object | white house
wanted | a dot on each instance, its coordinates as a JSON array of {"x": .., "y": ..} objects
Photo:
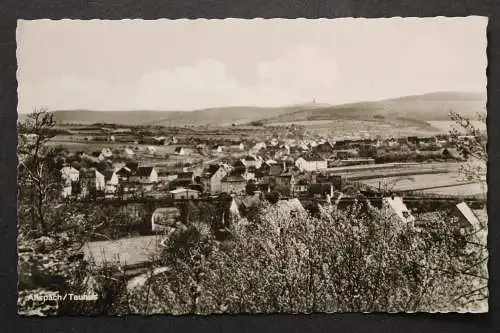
[
  {"x": 106, "y": 152},
  {"x": 466, "y": 217},
  {"x": 112, "y": 181},
  {"x": 311, "y": 163},
  {"x": 184, "y": 193},
  {"x": 68, "y": 173},
  {"x": 395, "y": 207},
  {"x": 91, "y": 180},
  {"x": 145, "y": 175},
  {"x": 183, "y": 151},
  {"x": 129, "y": 152}
]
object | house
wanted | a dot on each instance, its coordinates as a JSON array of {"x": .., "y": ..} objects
[
  {"x": 112, "y": 182},
  {"x": 217, "y": 149},
  {"x": 165, "y": 218},
  {"x": 233, "y": 183},
  {"x": 324, "y": 148},
  {"x": 145, "y": 175},
  {"x": 106, "y": 152},
  {"x": 269, "y": 170},
  {"x": 395, "y": 207},
  {"x": 311, "y": 163},
  {"x": 69, "y": 176},
  {"x": 129, "y": 152},
  {"x": 69, "y": 173},
  {"x": 465, "y": 216},
  {"x": 184, "y": 193},
  {"x": 166, "y": 176},
  {"x": 132, "y": 165},
  {"x": 91, "y": 181},
  {"x": 285, "y": 181},
  {"x": 212, "y": 176},
  {"x": 301, "y": 186},
  {"x": 124, "y": 173},
  {"x": 182, "y": 151}
]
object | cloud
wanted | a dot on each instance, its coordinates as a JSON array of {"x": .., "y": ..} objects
[
  {"x": 303, "y": 70},
  {"x": 206, "y": 84},
  {"x": 298, "y": 76}
]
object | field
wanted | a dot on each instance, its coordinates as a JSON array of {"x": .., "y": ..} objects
[
  {"x": 440, "y": 183},
  {"x": 446, "y": 126},
  {"x": 353, "y": 127}
]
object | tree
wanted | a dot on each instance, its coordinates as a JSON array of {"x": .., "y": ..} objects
[
  {"x": 471, "y": 143},
  {"x": 37, "y": 176},
  {"x": 358, "y": 260}
]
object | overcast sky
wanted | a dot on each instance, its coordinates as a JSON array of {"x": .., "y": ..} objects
[{"x": 191, "y": 64}]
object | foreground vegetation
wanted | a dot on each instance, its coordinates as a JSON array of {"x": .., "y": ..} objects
[{"x": 353, "y": 260}]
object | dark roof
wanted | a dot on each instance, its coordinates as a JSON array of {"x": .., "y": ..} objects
[
  {"x": 124, "y": 171},
  {"x": 211, "y": 170},
  {"x": 108, "y": 174},
  {"x": 250, "y": 158},
  {"x": 185, "y": 174},
  {"x": 144, "y": 171},
  {"x": 132, "y": 166},
  {"x": 313, "y": 157},
  {"x": 234, "y": 177}
]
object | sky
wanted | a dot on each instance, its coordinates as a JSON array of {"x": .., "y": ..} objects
[{"x": 194, "y": 64}]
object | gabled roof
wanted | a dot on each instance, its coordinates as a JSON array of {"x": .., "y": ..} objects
[
  {"x": 108, "y": 175},
  {"x": 399, "y": 208},
  {"x": 468, "y": 214},
  {"x": 124, "y": 171},
  {"x": 144, "y": 171}
]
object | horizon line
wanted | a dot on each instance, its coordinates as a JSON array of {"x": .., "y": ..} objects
[{"x": 310, "y": 103}]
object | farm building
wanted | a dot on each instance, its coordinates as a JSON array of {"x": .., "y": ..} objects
[
  {"x": 182, "y": 151},
  {"x": 69, "y": 176},
  {"x": 466, "y": 217},
  {"x": 145, "y": 175},
  {"x": 91, "y": 180},
  {"x": 212, "y": 176},
  {"x": 184, "y": 193},
  {"x": 124, "y": 173},
  {"x": 395, "y": 207},
  {"x": 311, "y": 163}
]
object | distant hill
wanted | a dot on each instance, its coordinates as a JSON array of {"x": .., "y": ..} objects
[
  {"x": 420, "y": 108},
  {"x": 417, "y": 109}
]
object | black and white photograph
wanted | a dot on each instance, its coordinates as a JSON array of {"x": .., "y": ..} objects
[{"x": 293, "y": 166}]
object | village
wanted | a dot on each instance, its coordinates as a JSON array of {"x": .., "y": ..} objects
[{"x": 297, "y": 175}]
